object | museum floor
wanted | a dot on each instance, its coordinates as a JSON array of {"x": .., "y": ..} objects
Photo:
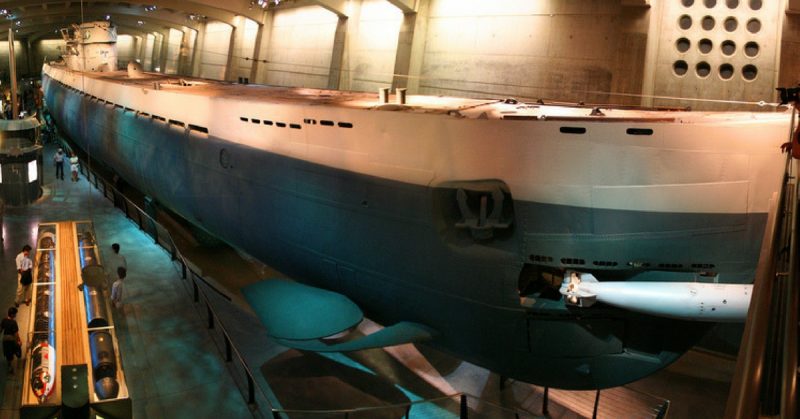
[{"x": 175, "y": 366}]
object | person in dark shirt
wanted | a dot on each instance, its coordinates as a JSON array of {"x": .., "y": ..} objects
[{"x": 11, "y": 340}]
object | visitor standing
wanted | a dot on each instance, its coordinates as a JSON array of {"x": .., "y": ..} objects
[
  {"x": 24, "y": 276},
  {"x": 117, "y": 287},
  {"x": 73, "y": 166},
  {"x": 59, "y": 159},
  {"x": 114, "y": 261},
  {"x": 12, "y": 345}
]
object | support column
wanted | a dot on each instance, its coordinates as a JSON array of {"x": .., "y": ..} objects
[
  {"x": 262, "y": 43},
  {"x": 337, "y": 55},
  {"x": 411, "y": 48},
  {"x": 164, "y": 53},
  {"x": 142, "y": 41},
  {"x": 197, "y": 53},
  {"x": 184, "y": 58},
  {"x": 229, "y": 70},
  {"x": 651, "y": 54},
  {"x": 29, "y": 57},
  {"x": 341, "y": 76}
]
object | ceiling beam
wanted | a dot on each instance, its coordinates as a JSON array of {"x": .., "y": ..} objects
[
  {"x": 223, "y": 11},
  {"x": 160, "y": 17},
  {"x": 335, "y": 6},
  {"x": 405, "y": 6}
]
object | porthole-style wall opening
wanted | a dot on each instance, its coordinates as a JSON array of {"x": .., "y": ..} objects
[
  {"x": 731, "y": 24},
  {"x": 751, "y": 49},
  {"x": 685, "y": 22},
  {"x": 753, "y": 25},
  {"x": 683, "y": 45},
  {"x": 687, "y": 3},
  {"x": 705, "y": 45},
  {"x": 680, "y": 67},
  {"x": 708, "y": 23},
  {"x": 732, "y": 4},
  {"x": 755, "y": 4},
  {"x": 725, "y": 71},
  {"x": 710, "y": 3},
  {"x": 702, "y": 69},
  {"x": 728, "y": 48},
  {"x": 749, "y": 72}
]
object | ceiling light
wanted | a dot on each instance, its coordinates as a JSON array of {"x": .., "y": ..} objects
[
  {"x": 150, "y": 8},
  {"x": 139, "y": 22}
]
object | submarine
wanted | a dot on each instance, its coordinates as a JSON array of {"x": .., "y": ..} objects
[{"x": 455, "y": 222}]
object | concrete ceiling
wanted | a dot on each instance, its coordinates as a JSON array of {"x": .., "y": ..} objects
[{"x": 42, "y": 18}]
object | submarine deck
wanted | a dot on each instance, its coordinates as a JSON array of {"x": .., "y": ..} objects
[{"x": 489, "y": 108}]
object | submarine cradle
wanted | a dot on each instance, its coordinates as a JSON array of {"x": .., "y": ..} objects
[{"x": 447, "y": 212}]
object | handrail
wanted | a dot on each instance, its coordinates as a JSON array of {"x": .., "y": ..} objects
[
  {"x": 176, "y": 255},
  {"x": 788, "y": 406},
  {"x": 463, "y": 397},
  {"x": 744, "y": 393},
  {"x": 766, "y": 380}
]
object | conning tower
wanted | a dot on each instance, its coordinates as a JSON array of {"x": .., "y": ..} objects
[{"x": 91, "y": 46}]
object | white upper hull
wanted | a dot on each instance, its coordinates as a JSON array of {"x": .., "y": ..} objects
[{"x": 727, "y": 163}]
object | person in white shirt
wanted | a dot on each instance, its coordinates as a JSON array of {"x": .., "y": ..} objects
[
  {"x": 117, "y": 287},
  {"x": 114, "y": 261},
  {"x": 24, "y": 266},
  {"x": 73, "y": 167},
  {"x": 59, "y": 160}
]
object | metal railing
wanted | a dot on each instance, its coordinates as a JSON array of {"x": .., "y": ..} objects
[
  {"x": 467, "y": 406},
  {"x": 765, "y": 380},
  {"x": 162, "y": 237}
]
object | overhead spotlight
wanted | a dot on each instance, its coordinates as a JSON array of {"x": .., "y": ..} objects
[
  {"x": 196, "y": 18},
  {"x": 139, "y": 22},
  {"x": 3, "y": 12},
  {"x": 18, "y": 23},
  {"x": 150, "y": 8},
  {"x": 108, "y": 17},
  {"x": 263, "y": 3}
]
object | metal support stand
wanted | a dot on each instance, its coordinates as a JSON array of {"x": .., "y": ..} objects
[{"x": 596, "y": 403}]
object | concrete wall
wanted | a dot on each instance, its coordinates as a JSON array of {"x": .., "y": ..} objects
[
  {"x": 125, "y": 50},
  {"x": 214, "y": 53},
  {"x": 187, "y": 51},
  {"x": 243, "y": 47},
  {"x": 174, "y": 42},
  {"x": 542, "y": 49},
  {"x": 599, "y": 51},
  {"x": 717, "y": 50},
  {"x": 297, "y": 48},
  {"x": 21, "y": 55},
  {"x": 49, "y": 49},
  {"x": 147, "y": 57},
  {"x": 790, "y": 58},
  {"x": 371, "y": 46}
]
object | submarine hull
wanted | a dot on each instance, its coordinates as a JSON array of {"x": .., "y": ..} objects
[{"x": 394, "y": 248}]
